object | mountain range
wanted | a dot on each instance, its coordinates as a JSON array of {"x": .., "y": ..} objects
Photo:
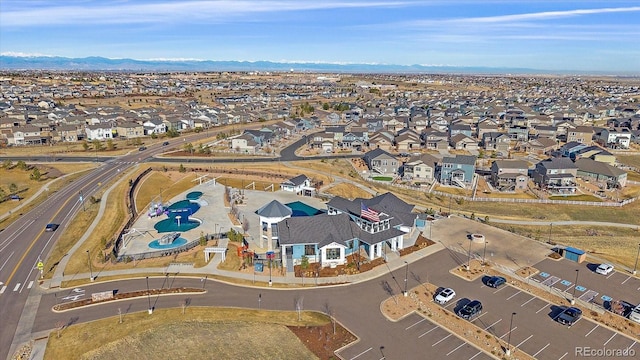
[{"x": 9, "y": 62}]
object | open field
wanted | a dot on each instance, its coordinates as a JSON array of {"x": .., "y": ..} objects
[
  {"x": 348, "y": 191},
  {"x": 631, "y": 160},
  {"x": 610, "y": 243},
  {"x": 161, "y": 185},
  {"x": 199, "y": 333}
]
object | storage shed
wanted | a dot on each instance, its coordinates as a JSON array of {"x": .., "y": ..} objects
[{"x": 574, "y": 254}]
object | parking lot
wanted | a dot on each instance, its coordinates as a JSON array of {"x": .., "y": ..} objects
[
  {"x": 561, "y": 274},
  {"x": 427, "y": 339}
]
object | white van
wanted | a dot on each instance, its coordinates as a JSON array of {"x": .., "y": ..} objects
[{"x": 635, "y": 314}]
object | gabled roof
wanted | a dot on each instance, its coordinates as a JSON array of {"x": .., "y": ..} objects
[
  {"x": 377, "y": 153},
  {"x": 511, "y": 164},
  {"x": 558, "y": 163},
  {"x": 597, "y": 167},
  {"x": 460, "y": 159},
  {"x": 274, "y": 209},
  {"x": 295, "y": 181}
]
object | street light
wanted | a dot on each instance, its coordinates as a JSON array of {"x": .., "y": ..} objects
[
  {"x": 90, "y": 268},
  {"x": 406, "y": 274},
  {"x": 636, "y": 264},
  {"x": 149, "y": 297},
  {"x": 550, "y": 228},
  {"x": 508, "y": 350},
  {"x": 259, "y": 301},
  {"x": 484, "y": 252},
  {"x": 469, "y": 258},
  {"x": 575, "y": 285}
]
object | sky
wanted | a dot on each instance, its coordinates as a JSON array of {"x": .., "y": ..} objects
[{"x": 555, "y": 35}]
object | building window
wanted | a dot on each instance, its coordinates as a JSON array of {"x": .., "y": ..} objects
[
  {"x": 333, "y": 253},
  {"x": 309, "y": 250}
]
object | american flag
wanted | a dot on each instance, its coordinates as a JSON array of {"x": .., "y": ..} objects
[{"x": 367, "y": 213}]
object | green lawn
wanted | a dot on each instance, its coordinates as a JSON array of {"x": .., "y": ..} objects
[{"x": 382, "y": 178}]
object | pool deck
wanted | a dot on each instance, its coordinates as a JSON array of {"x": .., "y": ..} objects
[{"x": 215, "y": 218}]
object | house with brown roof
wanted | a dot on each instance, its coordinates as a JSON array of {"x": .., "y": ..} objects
[
  {"x": 510, "y": 175},
  {"x": 605, "y": 175},
  {"x": 581, "y": 134}
]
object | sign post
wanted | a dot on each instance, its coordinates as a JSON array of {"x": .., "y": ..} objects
[
  {"x": 40, "y": 267},
  {"x": 270, "y": 256}
]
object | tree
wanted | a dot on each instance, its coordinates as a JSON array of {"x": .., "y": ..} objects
[
  {"x": 22, "y": 165},
  {"x": 59, "y": 326},
  {"x": 182, "y": 168},
  {"x": 3, "y": 194},
  {"x": 97, "y": 145},
  {"x": 110, "y": 145},
  {"x": 7, "y": 164},
  {"x": 188, "y": 147},
  {"x": 13, "y": 188},
  {"x": 85, "y": 145},
  {"x": 35, "y": 175},
  {"x": 325, "y": 106},
  {"x": 203, "y": 240},
  {"x": 245, "y": 225}
]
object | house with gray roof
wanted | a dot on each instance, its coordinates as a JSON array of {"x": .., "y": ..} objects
[
  {"x": 510, "y": 175},
  {"x": 603, "y": 174},
  {"x": 300, "y": 185},
  {"x": 457, "y": 170},
  {"x": 556, "y": 175}
]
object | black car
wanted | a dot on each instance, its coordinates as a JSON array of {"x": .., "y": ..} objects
[
  {"x": 142, "y": 148},
  {"x": 569, "y": 316},
  {"x": 51, "y": 227},
  {"x": 165, "y": 143},
  {"x": 471, "y": 310},
  {"x": 496, "y": 281}
]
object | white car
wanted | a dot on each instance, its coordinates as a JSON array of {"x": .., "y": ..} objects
[
  {"x": 445, "y": 295},
  {"x": 604, "y": 269}
]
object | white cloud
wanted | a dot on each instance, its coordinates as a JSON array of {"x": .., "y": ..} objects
[
  {"x": 22, "y": 54},
  {"x": 193, "y": 11}
]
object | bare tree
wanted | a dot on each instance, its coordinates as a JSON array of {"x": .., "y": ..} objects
[
  {"x": 59, "y": 326},
  {"x": 120, "y": 315},
  {"x": 298, "y": 301},
  {"x": 245, "y": 225},
  {"x": 329, "y": 312}
]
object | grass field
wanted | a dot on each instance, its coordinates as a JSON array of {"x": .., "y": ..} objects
[
  {"x": 382, "y": 178},
  {"x": 162, "y": 184},
  {"x": 631, "y": 160},
  {"x": 583, "y": 197},
  {"x": 348, "y": 191},
  {"x": 199, "y": 333}
]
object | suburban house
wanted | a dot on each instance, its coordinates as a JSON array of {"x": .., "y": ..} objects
[
  {"x": 129, "y": 130},
  {"x": 539, "y": 146},
  {"x": 366, "y": 228},
  {"x": 436, "y": 140},
  {"x": 617, "y": 138},
  {"x": 244, "y": 143},
  {"x": 458, "y": 170},
  {"x": 556, "y": 175},
  {"x": 463, "y": 142},
  {"x": 407, "y": 141},
  {"x": 154, "y": 126},
  {"x": 420, "y": 168},
  {"x": 300, "y": 185},
  {"x": 381, "y": 162},
  {"x": 496, "y": 142},
  {"x": 99, "y": 132},
  {"x": 581, "y": 134},
  {"x": 596, "y": 153},
  {"x": 381, "y": 140},
  {"x": 509, "y": 175},
  {"x": 609, "y": 177}
]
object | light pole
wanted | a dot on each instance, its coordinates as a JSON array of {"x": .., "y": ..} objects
[
  {"x": 575, "y": 285},
  {"x": 469, "y": 257},
  {"x": 550, "y": 228},
  {"x": 149, "y": 297},
  {"x": 484, "y": 252},
  {"x": 90, "y": 268},
  {"x": 508, "y": 350},
  {"x": 636, "y": 264},
  {"x": 406, "y": 274},
  {"x": 259, "y": 301}
]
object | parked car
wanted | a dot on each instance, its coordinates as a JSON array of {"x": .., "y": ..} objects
[
  {"x": 51, "y": 227},
  {"x": 604, "y": 269},
  {"x": 471, "y": 310},
  {"x": 635, "y": 314},
  {"x": 444, "y": 296},
  {"x": 496, "y": 281},
  {"x": 569, "y": 316},
  {"x": 620, "y": 307}
]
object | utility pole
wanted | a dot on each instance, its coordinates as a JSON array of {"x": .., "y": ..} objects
[
  {"x": 406, "y": 274},
  {"x": 90, "y": 268}
]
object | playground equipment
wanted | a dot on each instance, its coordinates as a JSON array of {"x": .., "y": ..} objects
[
  {"x": 156, "y": 209},
  {"x": 168, "y": 239}
]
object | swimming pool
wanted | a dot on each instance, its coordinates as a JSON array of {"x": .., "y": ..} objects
[
  {"x": 194, "y": 195},
  {"x": 183, "y": 208},
  {"x": 177, "y": 242},
  {"x": 299, "y": 208}
]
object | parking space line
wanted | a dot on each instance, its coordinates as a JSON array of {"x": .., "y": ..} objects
[
  {"x": 630, "y": 346},
  {"x": 589, "y": 333},
  {"x": 542, "y": 308},
  {"x": 625, "y": 280},
  {"x": 362, "y": 353},
  {"x": 479, "y": 316},
  {"x": 410, "y": 326},
  {"x": 451, "y": 303},
  {"x": 532, "y": 298},
  {"x": 504, "y": 287},
  {"x": 478, "y": 353},
  {"x": 493, "y": 324},
  {"x": 507, "y": 333},
  {"x": 441, "y": 340},
  {"x": 435, "y": 327},
  {"x": 510, "y": 297},
  {"x": 459, "y": 346},
  {"x": 610, "y": 275},
  {"x": 523, "y": 341},
  {"x": 539, "y": 351},
  {"x": 562, "y": 357},
  {"x": 612, "y": 336}
]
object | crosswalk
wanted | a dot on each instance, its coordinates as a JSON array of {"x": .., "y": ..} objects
[{"x": 16, "y": 288}]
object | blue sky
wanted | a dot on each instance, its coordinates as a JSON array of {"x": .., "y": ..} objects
[{"x": 539, "y": 34}]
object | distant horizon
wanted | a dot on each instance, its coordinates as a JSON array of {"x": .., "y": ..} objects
[
  {"x": 18, "y": 62},
  {"x": 575, "y": 36}
]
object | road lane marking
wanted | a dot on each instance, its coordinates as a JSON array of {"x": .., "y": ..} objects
[
  {"x": 493, "y": 324},
  {"x": 3, "y": 289},
  {"x": 589, "y": 333},
  {"x": 441, "y": 340},
  {"x": 17, "y": 287},
  {"x": 5, "y": 262},
  {"x": 612, "y": 336},
  {"x": 410, "y": 326},
  {"x": 30, "y": 284},
  {"x": 562, "y": 357},
  {"x": 510, "y": 297},
  {"x": 478, "y": 353},
  {"x": 523, "y": 341},
  {"x": 459, "y": 346},
  {"x": 362, "y": 353},
  {"x": 507, "y": 333},
  {"x": 528, "y": 301},
  {"x": 539, "y": 351},
  {"x": 427, "y": 332},
  {"x": 542, "y": 308}
]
